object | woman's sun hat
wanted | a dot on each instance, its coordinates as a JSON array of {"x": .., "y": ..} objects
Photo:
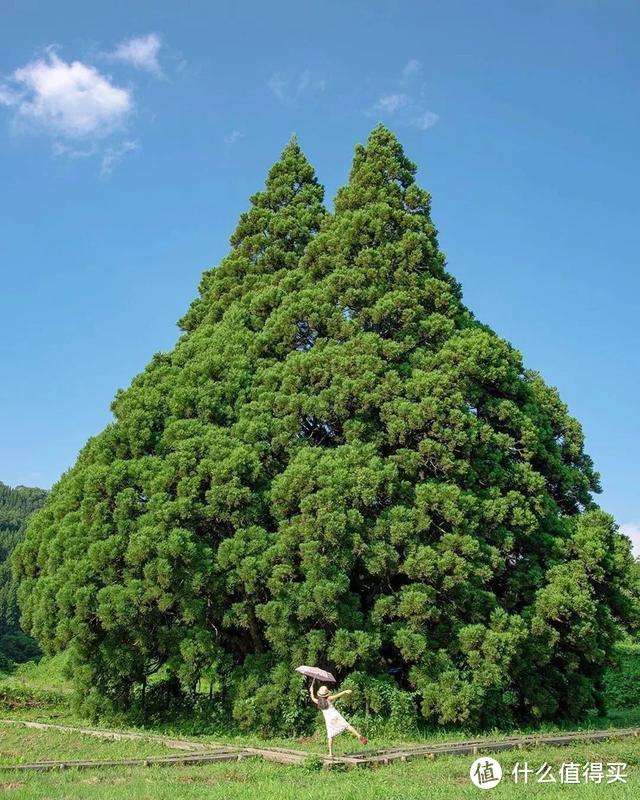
[{"x": 323, "y": 692}]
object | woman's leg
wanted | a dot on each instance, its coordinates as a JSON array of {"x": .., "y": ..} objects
[
  {"x": 362, "y": 739},
  {"x": 330, "y": 740}
]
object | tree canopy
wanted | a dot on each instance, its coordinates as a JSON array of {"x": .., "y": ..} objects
[{"x": 337, "y": 464}]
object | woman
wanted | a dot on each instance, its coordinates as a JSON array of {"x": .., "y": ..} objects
[{"x": 333, "y": 719}]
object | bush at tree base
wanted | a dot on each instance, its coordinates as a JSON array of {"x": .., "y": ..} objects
[
  {"x": 339, "y": 465},
  {"x": 622, "y": 680}
]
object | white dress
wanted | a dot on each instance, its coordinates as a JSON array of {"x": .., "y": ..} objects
[{"x": 334, "y": 721}]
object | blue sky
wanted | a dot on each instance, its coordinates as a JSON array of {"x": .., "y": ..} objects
[{"x": 132, "y": 134}]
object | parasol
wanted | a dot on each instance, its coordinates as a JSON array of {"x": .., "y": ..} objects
[{"x": 316, "y": 672}]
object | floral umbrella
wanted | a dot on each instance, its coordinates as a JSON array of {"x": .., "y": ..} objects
[{"x": 316, "y": 672}]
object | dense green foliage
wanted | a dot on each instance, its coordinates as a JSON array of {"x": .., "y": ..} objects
[
  {"x": 15, "y": 507},
  {"x": 622, "y": 681},
  {"x": 337, "y": 464}
]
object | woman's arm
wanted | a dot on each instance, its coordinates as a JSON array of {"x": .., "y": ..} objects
[
  {"x": 311, "y": 692},
  {"x": 333, "y": 697}
]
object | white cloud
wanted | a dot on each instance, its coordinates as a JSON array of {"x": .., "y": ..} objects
[
  {"x": 290, "y": 87},
  {"x": 80, "y": 108},
  {"x": 632, "y": 530},
  {"x": 402, "y": 105},
  {"x": 61, "y": 149},
  {"x": 277, "y": 85},
  {"x": 109, "y": 155},
  {"x": 426, "y": 120},
  {"x": 232, "y": 137},
  {"x": 7, "y": 96},
  {"x": 141, "y": 52},
  {"x": 390, "y": 103},
  {"x": 411, "y": 68},
  {"x": 114, "y": 154},
  {"x": 304, "y": 80},
  {"x": 68, "y": 99}
]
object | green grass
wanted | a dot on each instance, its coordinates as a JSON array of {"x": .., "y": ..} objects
[
  {"x": 446, "y": 778},
  {"x": 46, "y": 675},
  {"x": 20, "y": 745}
]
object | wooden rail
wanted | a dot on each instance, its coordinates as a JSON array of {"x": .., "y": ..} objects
[
  {"x": 232, "y": 754},
  {"x": 474, "y": 746}
]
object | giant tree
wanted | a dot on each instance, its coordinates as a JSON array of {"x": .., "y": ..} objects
[{"x": 336, "y": 464}]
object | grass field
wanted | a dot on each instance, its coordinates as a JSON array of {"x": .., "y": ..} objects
[
  {"x": 39, "y": 692},
  {"x": 446, "y": 778},
  {"x": 19, "y": 745}
]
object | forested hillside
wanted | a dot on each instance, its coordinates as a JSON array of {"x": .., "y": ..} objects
[{"x": 16, "y": 504}]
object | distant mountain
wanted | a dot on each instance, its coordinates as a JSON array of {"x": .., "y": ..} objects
[{"x": 16, "y": 505}]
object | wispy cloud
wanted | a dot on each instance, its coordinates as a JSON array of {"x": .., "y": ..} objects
[
  {"x": 110, "y": 155},
  {"x": 291, "y": 87},
  {"x": 632, "y": 530},
  {"x": 114, "y": 154},
  {"x": 232, "y": 137},
  {"x": 426, "y": 120},
  {"x": 8, "y": 97},
  {"x": 69, "y": 99},
  {"x": 73, "y": 151},
  {"x": 390, "y": 103},
  {"x": 411, "y": 68},
  {"x": 140, "y": 52},
  {"x": 405, "y": 103},
  {"x": 277, "y": 84}
]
